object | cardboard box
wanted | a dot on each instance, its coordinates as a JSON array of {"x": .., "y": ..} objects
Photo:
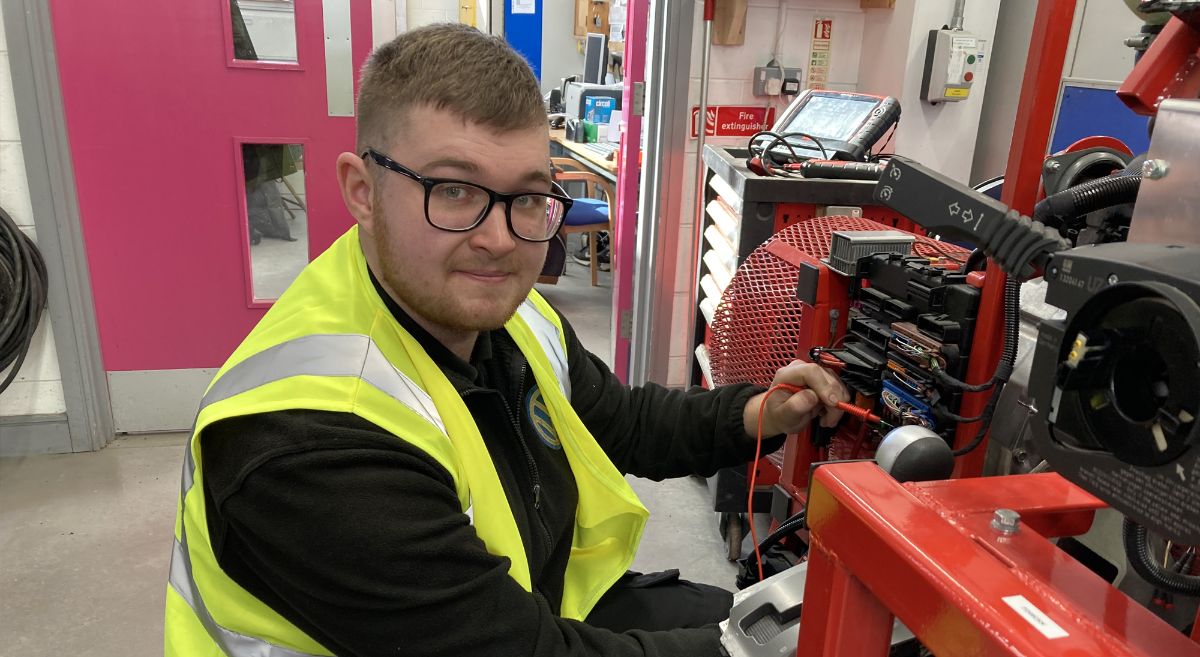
[{"x": 598, "y": 109}]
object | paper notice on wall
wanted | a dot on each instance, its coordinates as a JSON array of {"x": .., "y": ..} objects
[
  {"x": 819, "y": 53},
  {"x": 616, "y": 21},
  {"x": 524, "y": 6}
]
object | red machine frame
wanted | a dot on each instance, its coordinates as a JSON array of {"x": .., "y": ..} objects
[{"x": 926, "y": 553}]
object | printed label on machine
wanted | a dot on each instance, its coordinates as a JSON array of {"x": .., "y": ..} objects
[{"x": 1036, "y": 617}]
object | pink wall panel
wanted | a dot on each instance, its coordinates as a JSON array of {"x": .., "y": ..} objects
[{"x": 152, "y": 112}]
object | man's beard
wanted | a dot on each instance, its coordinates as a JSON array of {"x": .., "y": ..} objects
[{"x": 425, "y": 302}]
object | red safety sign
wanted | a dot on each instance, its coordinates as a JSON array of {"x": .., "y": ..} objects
[
  {"x": 823, "y": 28},
  {"x": 734, "y": 120}
]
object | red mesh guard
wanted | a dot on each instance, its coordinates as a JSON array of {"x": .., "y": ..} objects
[{"x": 756, "y": 327}]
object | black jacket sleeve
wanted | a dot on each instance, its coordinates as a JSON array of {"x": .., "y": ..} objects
[
  {"x": 658, "y": 433},
  {"x": 359, "y": 540}
]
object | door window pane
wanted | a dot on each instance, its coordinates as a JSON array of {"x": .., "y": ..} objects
[
  {"x": 264, "y": 30},
  {"x": 276, "y": 215}
]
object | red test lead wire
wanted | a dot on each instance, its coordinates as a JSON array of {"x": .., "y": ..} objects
[{"x": 861, "y": 413}]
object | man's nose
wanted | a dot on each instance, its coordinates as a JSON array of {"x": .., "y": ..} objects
[{"x": 493, "y": 233}]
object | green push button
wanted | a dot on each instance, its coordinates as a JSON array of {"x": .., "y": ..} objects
[{"x": 970, "y": 59}]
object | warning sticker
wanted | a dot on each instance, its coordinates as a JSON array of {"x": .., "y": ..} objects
[
  {"x": 819, "y": 53},
  {"x": 952, "y": 92},
  {"x": 1036, "y": 617}
]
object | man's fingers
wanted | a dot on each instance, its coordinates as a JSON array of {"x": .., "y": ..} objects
[
  {"x": 801, "y": 405},
  {"x": 816, "y": 378}
]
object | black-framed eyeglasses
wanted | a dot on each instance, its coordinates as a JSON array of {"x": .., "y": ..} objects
[{"x": 459, "y": 206}]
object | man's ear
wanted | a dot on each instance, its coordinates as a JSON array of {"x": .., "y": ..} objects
[{"x": 357, "y": 189}]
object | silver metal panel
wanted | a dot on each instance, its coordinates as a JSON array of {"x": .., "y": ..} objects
[
  {"x": 667, "y": 123},
  {"x": 782, "y": 596},
  {"x": 42, "y": 122},
  {"x": 1168, "y": 208},
  {"x": 157, "y": 400},
  {"x": 339, "y": 63}
]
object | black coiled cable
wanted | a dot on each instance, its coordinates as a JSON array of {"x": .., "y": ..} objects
[
  {"x": 22, "y": 295},
  {"x": 1086, "y": 198},
  {"x": 1137, "y": 550}
]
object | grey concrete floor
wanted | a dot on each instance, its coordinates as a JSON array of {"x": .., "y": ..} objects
[{"x": 85, "y": 538}]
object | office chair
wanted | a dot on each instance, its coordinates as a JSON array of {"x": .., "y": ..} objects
[{"x": 588, "y": 214}]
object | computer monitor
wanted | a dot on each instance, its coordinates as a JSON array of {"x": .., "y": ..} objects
[{"x": 595, "y": 58}]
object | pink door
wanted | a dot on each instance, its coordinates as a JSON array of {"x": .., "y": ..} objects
[{"x": 203, "y": 136}]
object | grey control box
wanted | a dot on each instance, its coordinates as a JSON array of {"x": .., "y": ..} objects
[{"x": 768, "y": 80}]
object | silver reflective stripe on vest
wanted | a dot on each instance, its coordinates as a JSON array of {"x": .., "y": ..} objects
[
  {"x": 325, "y": 355},
  {"x": 547, "y": 335},
  {"x": 232, "y": 643},
  {"x": 312, "y": 355}
]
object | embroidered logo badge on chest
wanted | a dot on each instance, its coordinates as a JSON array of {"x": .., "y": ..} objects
[{"x": 539, "y": 417}]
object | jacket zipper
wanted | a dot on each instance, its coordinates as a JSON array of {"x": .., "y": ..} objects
[{"x": 531, "y": 465}]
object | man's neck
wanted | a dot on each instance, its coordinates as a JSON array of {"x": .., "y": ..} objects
[{"x": 460, "y": 342}]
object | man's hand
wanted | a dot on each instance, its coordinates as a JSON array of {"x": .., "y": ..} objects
[{"x": 789, "y": 412}]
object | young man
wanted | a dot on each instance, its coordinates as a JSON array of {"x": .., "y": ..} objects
[{"x": 412, "y": 454}]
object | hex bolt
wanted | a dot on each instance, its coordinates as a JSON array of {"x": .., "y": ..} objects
[
  {"x": 1006, "y": 521},
  {"x": 1155, "y": 169}
]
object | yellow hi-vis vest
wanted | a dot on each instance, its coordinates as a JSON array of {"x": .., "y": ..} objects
[{"x": 329, "y": 343}]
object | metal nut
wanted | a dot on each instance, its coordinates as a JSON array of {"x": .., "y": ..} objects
[
  {"x": 1155, "y": 169},
  {"x": 1006, "y": 521}
]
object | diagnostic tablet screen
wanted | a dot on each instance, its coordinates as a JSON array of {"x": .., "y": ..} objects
[{"x": 831, "y": 117}]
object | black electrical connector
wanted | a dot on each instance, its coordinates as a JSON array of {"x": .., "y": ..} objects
[{"x": 951, "y": 209}]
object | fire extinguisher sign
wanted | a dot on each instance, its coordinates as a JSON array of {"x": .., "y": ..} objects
[
  {"x": 733, "y": 120},
  {"x": 819, "y": 53}
]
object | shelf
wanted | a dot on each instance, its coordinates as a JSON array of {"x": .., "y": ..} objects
[
  {"x": 710, "y": 287},
  {"x": 721, "y": 217},
  {"x": 705, "y": 363},
  {"x": 719, "y": 243},
  {"x": 726, "y": 191},
  {"x": 718, "y": 268}
]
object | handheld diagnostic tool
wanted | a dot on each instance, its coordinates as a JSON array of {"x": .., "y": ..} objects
[{"x": 847, "y": 124}]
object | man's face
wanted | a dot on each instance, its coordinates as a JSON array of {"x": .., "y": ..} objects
[{"x": 467, "y": 281}]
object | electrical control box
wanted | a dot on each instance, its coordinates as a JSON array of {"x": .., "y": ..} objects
[
  {"x": 952, "y": 62},
  {"x": 776, "y": 80}
]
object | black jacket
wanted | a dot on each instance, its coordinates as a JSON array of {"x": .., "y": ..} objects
[{"x": 359, "y": 540}]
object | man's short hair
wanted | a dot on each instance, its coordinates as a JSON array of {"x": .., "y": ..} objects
[{"x": 450, "y": 67}]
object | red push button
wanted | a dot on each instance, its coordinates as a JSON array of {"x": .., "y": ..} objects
[{"x": 968, "y": 76}]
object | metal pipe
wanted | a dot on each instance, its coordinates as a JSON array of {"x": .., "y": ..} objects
[
  {"x": 956, "y": 23},
  {"x": 701, "y": 178},
  {"x": 660, "y": 206}
]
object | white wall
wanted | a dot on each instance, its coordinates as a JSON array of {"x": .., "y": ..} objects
[
  {"x": 1011, "y": 49},
  {"x": 1097, "y": 50},
  {"x": 941, "y": 136},
  {"x": 425, "y": 12},
  {"x": 386, "y": 20},
  {"x": 561, "y": 54},
  {"x": 37, "y": 389}
]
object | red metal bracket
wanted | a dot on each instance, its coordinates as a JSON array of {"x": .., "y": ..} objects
[
  {"x": 926, "y": 553},
  {"x": 1169, "y": 69}
]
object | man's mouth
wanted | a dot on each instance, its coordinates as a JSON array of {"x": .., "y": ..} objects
[{"x": 486, "y": 275}]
